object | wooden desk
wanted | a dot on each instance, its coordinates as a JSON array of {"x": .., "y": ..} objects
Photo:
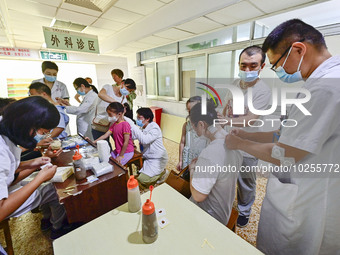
[
  {"x": 119, "y": 231},
  {"x": 90, "y": 201}
]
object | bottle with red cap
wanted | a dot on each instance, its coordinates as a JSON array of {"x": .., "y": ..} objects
[
  {"x": 134, "y": 201},
  {"x": 79, "y": 169},
  {"x": 149, "y": 221}
]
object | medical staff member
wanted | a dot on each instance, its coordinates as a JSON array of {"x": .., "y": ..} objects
[
  {"x": 85, "y": 111},
  {"x": 20, "y": 123},
  {"x": 251, "y": 63},
  {"x": 300, "y": 212},
  {"x": 40, "y": 89},
  {"x": 154, "y": 153},
  {"x": 50, "y": 72},
  {"x": 213, "y": 190}
]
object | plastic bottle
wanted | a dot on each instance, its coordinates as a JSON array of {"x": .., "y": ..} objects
[
  {"x": 149, "y": 221},
  {"x": 134, "y": 201},
  {"x": 79, "y": 169}
]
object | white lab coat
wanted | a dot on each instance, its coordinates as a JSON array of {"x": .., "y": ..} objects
[
  {"x": 59, "y": 89},
  {"x": 85, "y": 113},
  {"x": 10, "y": 160},
  {"x": 301, "y": 215},
  {"x": 154, "y": 152}
]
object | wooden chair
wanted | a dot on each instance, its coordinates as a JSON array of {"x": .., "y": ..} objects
[
  {"x": 9, "y": 246},
  {"x": 232, "y": 220},
  {"x": 137, "y": 160}
]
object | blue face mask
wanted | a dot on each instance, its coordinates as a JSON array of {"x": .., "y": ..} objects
[
  {"x": 81, "y": 93},
  {"x": 248, "y": 76},
  {"x": 124, "y": 92},
  {"x": 50, "y": 78},
  {"x": 286, "y": 77},
  {"x": 38, "y": 137},
  {"x": 139, "y": 123}
]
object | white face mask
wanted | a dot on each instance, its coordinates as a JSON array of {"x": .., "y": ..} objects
[{"x": 112, "y": 119}]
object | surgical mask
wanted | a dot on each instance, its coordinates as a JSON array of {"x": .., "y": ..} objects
[
  {"x": 286, "y": 77},
  {"x": 38, "y": 137},
  {"x": 139, "y": 123},
  {"x": 248, "y": 76},
  {"x": 124, "y": 92},
  {"x": 50, "y": 78},
  {"x": 81, "y": 93},
  {"x": 112, "y": 119}
]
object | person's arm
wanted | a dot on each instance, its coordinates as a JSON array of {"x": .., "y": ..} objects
[
  {"x": 145, "y": 137},
  {"x": 263, "y": 151},
  {"x": 77, "y": 98},
  {"x": 260, "y": 137},
  {"x": 181, "y": 147},
  {"x": 103, "y": 137},
  {"x": 105, "y": 97},
  {"x": 125, "y": 145},
  {"x": 32, "y": 164},
  {"x": 84, "y": 107},
  {"x": 56, "y": 131},
  {"x": 18, "y": 197}
]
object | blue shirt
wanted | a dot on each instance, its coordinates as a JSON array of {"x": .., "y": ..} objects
[{"x": 64, "y": 120}]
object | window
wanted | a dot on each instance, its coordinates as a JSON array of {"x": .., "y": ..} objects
[
  {"x": 207, "y": 41},
  {"x": 243, "y": 32},
  {"x": 191, "y": 69},
  {"x": 166, "y": 78},
  {"x": 220, "y": 65},
  {"x": 150, "y": 74},
  {"x": 159, "y": 52}
]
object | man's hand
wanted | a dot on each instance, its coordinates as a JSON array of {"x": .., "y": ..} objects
[
  {"x": 239, "y": 132},
  {"x": 179, "y": 166},
  {"x": 46, "y": 173},
  {"x": 232, "y": 142},
  {"x": 52, "y": 153},
  {"x": 45, "y": 142}
]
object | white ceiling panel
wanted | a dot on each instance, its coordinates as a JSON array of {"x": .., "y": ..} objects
[
  {"x": 127, "y": 49},
  {"x": 75, "y": 17},
  {"x": 140, "y": 45},
  {"x": 154, "y": 40},
  {"x": 55, "y": 3},
  {"x": 16, "y": 16},
  {"x": 28, "y": 44},
  {"x": 32, "y": 38},
  {"x": 80, "y": 9},
  {"x": 174, "y": 34},
  {"x": 3, "y": 39},
  {"x": 32, "y": 8},
  {"x": 121, "y": 15},
  {"x": 109, "y": 24},
  {"x": 98, "y": 31},
  {"x": 269, "y": 6},
  {"x": 144, "y": 7},
  {"x": 199, "y": 25},
  {"x": 235, "y": 13}
]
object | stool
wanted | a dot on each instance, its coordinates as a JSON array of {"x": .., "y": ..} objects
[
  {"x": 232, "y": 220},
  {"x": 137, "y": 159},
  {"x": 9, "y": 246}
]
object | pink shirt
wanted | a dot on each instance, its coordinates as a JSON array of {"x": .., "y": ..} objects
[{"x": 118, "y": 130}]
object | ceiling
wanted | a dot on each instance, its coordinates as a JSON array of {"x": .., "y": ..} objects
[{"x": 128, "y": 26}]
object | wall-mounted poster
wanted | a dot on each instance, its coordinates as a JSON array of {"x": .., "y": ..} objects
[
  {"x": 138, "y": 75},
  {"x": 18, "y": 88}
]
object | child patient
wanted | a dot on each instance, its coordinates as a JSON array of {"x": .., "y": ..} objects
[{"x": 121, "y": 133}]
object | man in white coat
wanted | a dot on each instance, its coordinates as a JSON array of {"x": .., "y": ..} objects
[
  {"x": 300, "y": 212},
  {"x": 154, "y": 153}
]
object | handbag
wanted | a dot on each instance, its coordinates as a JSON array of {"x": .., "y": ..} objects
[
  {"x": 177, "y": 182},
  {"x": 100, "y": 123}
]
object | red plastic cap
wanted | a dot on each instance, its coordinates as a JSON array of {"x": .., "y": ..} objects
[
  {"x": 148, "y": 207},
  {"x": 132, "y": 182},
  {"x": 76, "y": 156}
]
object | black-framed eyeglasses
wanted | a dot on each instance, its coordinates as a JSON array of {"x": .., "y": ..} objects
[{"x": 284, "y": 53}]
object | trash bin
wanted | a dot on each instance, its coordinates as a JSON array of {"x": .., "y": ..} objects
[{"x": 157, "y": 113}]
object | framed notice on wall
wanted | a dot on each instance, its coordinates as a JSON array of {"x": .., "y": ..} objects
[{"x": 18, "y": 88}]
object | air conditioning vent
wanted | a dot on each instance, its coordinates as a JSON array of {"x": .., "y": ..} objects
[
  {"x": 96, "y": 5},
  {"x": 68, "y": 25}
]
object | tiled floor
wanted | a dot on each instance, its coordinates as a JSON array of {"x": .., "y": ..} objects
[{"x": 28, "y": 239}]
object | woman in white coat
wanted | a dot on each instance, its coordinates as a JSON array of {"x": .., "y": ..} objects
[
  {"x": 154, "y": 153},
  {"x": 21, "y": 122},
  {"x": 86, "y": 110}
]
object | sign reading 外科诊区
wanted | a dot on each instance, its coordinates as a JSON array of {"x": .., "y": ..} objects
[{"x": 67, "y": 40}]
